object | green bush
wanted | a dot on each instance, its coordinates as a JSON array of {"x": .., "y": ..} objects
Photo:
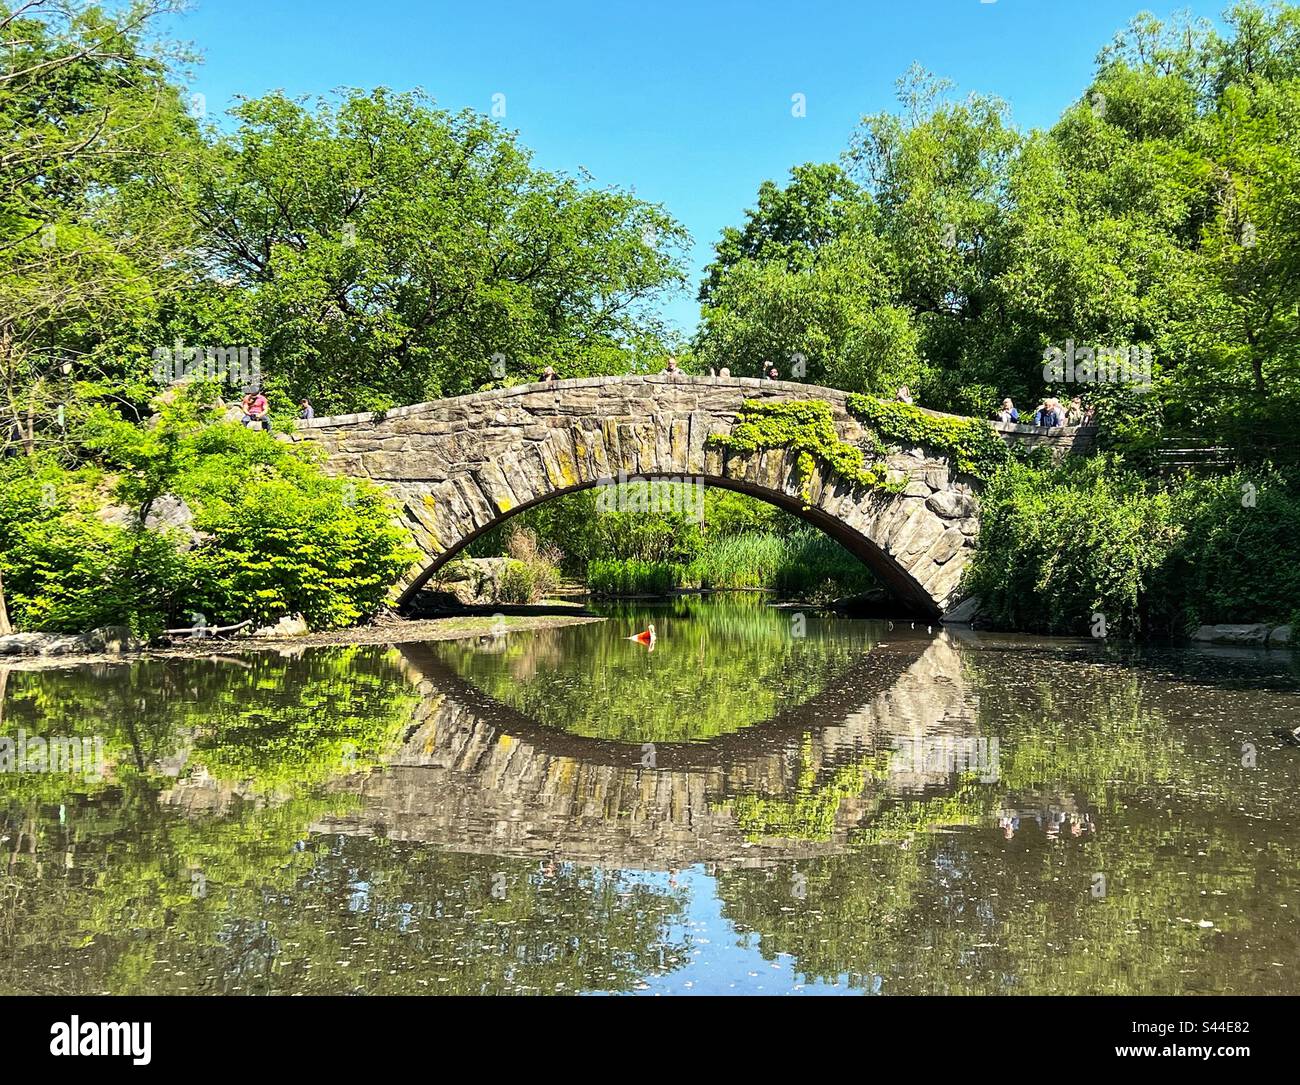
[
  {"x": 1061, "y": 544},
  {"x": 277, "y": 535},
  {"x": 541, "y": 562},
  {"x": 66, "y": 570},
  {"x": 1238, "y": 558},
  {"x": 283, "y": 537},
  {"x": 73, "y": 572},
  {"x": 518, "y": 583}
]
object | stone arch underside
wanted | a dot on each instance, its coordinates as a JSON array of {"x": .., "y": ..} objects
[{"x": 459, "y": 467}]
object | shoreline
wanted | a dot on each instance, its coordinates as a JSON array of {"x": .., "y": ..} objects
[{"x": 405, "y": 631}]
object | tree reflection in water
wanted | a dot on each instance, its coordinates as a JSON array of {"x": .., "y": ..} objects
[{"x": 417, "y": 820}]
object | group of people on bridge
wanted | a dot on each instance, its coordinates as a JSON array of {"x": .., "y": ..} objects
[
  {"x": 1048, "y": 414},
  {"x": 257, "y": 411}
]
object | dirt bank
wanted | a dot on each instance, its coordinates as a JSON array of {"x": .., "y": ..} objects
[{"x": 391, "y": 631}]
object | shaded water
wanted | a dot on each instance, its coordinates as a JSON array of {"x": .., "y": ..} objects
[{"x": 768, "y": 802}]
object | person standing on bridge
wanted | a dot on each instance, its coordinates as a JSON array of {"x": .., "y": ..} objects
[
  {"x": 548, "y": 374},
  {"x": 1008, "y": 413},
  {"x": 1049, "y": 414},
  {"x": 671, "y": 368},
  {"x": 306, "y": 411},
  {"x": 904, "y": 395}
]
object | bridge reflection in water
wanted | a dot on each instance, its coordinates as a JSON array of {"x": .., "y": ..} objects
[
  {"x": 477, "y": 776},
  {"x": 381, "y": 819}
]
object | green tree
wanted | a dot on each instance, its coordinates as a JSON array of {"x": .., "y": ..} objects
[{"x": 399, "y": 253}]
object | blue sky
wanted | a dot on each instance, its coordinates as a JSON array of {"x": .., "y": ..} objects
[{"x": 689, "y": 103}]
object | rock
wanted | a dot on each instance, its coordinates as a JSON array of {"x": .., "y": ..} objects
[
  {"x": 67, "y": 646},
  {"x": 964, "y": 613},
  {"x": 1280, "y": 635},
  {"x": 112, "y": 639},
  {"x": 167, "y": 513},
  {"x": 1255, "y": 634},
  {"x": 289, "y": 626},
  {"x": 23, "y": 644},
  {"x": 109, "y": 640},
  {"x": 949, "y": 543},
  {"x": 469, "y": 581},
  {"x": 952, "y": 504}
]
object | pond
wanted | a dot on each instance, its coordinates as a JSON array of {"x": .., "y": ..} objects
[{"x": 766, "y": 801}]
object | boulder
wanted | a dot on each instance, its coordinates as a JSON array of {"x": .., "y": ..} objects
[
  {"x": 964, "y": 613},
  {"x": 470, "y": 581},
  {"x": 109, "y": 640},
  {"x": 1281, "y": 635},
  {"x": 23, "y": 644},
  {"x": 168, "y": 513},
  {"x": 952, "y": 504},
  {"x": 1253, "y": 634},
  {"x": 78, "y": 645},
  {"x": 112, "y": 640}
]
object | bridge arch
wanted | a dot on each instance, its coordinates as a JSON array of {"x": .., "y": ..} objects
[{"x": 458, "y": 467}]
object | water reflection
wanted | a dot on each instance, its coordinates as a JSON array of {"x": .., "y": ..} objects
[
  {"x": 856, "y": 808},
  {"x": 716, "y": 669}
]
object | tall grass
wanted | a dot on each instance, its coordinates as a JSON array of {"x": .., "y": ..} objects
[
  {"x": 631, "y": 576},
  {"x": 805, "y": 563}
]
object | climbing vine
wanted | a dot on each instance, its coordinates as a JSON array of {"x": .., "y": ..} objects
[
  {"x": 973, "y": 445},
  {"x": 807, "y": 428}
]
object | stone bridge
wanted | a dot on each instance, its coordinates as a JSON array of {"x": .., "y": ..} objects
[{"x": 459, "y": 467}]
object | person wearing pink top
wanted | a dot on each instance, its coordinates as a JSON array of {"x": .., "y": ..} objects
[{"x": 255, "y": 411}]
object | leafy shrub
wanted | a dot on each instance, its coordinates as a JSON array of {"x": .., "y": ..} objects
[
  {"x": 1060, "y": 544},
  {"x": 73, "y": 572},
  {"x": 1238, "y": 559},
  {"x": 284, "y": 538},
  {"x": 64, "y": 569},
  {"x": 277, "y": 535},
  {"x": 541, "y": 560},
  {"x": 518, "y": 583}
]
